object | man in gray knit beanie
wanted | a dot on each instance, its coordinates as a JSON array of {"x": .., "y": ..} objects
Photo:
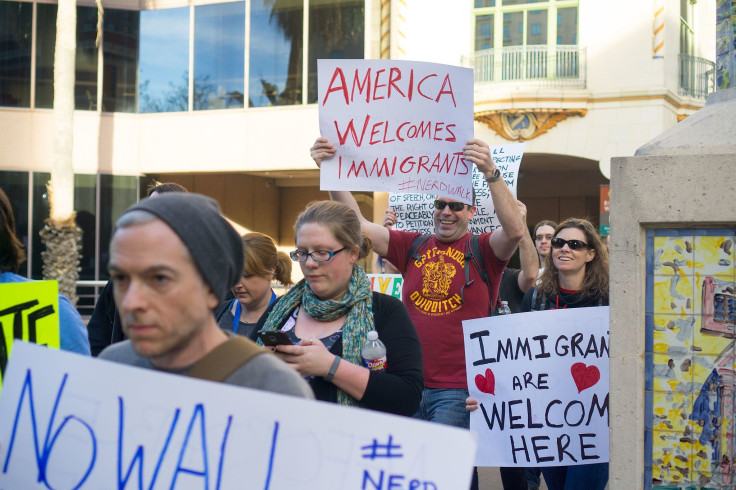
[
  {"x": 172, "y": 260},
  {"x": 215, "y": 246}
]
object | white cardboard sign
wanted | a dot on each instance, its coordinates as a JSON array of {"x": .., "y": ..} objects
[
  {"x": 542, "y": 380},
  {"x": 397, "y": 125},
  {"x": 67, "y": 421},
  {"x": 414, "y": 212}
]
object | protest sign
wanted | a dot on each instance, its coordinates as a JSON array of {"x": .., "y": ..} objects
[
  {"x": 89, "y": 423},
  {"x": 397, "y": 126},
  {"x": 542, "y": 382},
  {"x": 28, "y": 311},
  {"x": 387, "y": 284},
  {"x": 414, "y": 211}
]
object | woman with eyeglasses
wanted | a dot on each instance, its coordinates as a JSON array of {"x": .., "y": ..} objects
[
  {"x": 253, "y": 293},
  {"x": 329, "y": 313},
  {"x": 575, "y": 275}
]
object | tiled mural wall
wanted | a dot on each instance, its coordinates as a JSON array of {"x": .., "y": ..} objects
[{"x": 690, "y": 329}]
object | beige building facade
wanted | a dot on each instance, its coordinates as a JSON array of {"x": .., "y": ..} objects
[{"x": 579, "y": 81}]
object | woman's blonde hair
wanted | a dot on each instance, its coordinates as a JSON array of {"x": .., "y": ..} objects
[
  {"x": 342, "y": 221},
  {"x": 595, "y": 282},
  {"x": 262, "y": 258}
]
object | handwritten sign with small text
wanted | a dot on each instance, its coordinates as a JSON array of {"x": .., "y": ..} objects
[
  {"x": 89, "y": 423},
  {"x": 28, "y": 311},
  {"x": 397, "y": 126},
  {"x": 542, "y": 382},
  {"x": 414, "y": 212}
]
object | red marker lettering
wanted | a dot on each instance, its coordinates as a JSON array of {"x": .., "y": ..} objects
[{"x": 343, "y": 87}]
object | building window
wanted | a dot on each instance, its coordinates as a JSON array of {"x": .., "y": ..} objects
[
  {"x": 85, "y": 204},
  {"x": 219, "y": 50},
  {"x": 163, "y": 76},
  {"x": 687, "y": 34},
  {"x": 121, "y": 30},
  {"x": 526, "y": 23},
  {"x": 45, "y": 48},
  {"x": 567, "y": 26},
  {"x": 99, "y": 200},
  {"x": 276, "y": 55},
  {"x": 15, "y": 186},
  {"x": 147, "y": 55},
  {"x": 85, "y": 73},
  {"x": 117, "y": 193},
  {"x": 513, "y": 29},
  {"x": 537, "y": 34},
  {"x": 39, "y": 213},
  {"x": 16, "y": 20},
  {"x": 483, "y": 32},
  {"x": 336, "y": 31}
]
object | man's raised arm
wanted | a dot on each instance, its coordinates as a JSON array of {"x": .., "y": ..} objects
[
  {"x": 323, "y": 149},
  {"x": 504, "y": 240},
  {"x": 527, "y": 256}
]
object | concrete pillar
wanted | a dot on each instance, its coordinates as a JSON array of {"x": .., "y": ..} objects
[{"x": 683, "y": 179}]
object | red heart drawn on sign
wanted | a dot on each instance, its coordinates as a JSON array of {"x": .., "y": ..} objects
[
  {"x": 487, "y": 383},
  {"x": 584, "y": 376}
]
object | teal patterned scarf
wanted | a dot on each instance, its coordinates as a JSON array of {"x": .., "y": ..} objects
[{"x": 356, "y": 303}]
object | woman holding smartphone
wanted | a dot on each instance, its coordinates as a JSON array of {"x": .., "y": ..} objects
[
  {"x": 253, "y": 293},
  {"x": 330, "y": 312}
]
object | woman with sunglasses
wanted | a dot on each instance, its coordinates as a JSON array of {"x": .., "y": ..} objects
[
  {"x": 575, "y": 275},
  {"x": 253, "y": 293},
  {"x": 329, "y": 313}
]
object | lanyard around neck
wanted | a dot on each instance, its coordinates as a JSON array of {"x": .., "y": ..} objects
[{"x": 236, "y": 315}]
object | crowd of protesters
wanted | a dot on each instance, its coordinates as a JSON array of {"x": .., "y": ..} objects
[{"x": 188, "y": 296}]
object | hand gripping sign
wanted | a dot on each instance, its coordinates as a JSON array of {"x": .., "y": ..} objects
[
  {"x": 542, "y": 382},
  {"x": 88, "y": 423},
  {"x": 397, "y": 125}
]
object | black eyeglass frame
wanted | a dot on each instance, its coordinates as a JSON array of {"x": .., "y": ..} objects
[
  {"x": 294, "y": 254},
  {"x": 558, "y": 243},
  {"x": 455, "y": 206}
]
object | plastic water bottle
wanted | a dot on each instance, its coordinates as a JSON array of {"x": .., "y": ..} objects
[
  {"x": 374, "y": 352},
  {"x": 504, "y": 308}
]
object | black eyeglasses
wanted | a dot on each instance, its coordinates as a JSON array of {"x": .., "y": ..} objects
[
  {"x": 573, "y": 244},
  {"x": 317, "y": 255},
  {"x": 454, "y": 205}
]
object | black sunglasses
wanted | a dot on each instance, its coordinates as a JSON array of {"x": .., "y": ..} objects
[
  {"x": 454, "y": 206},
  {"x": 573, "y": 244}
]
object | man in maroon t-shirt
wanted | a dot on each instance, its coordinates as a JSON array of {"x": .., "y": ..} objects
[{"x": 435, "y": 290}]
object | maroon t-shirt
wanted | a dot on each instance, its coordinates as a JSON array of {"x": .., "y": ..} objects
[{"x": 431, "y": 294}]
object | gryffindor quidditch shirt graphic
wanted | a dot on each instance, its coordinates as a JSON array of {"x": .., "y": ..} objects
[{"x": 431, "y": 293}]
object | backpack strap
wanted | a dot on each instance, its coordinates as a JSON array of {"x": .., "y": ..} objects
[
  {"x": 225, "y": 359},
  {"x": 416, "y": 246},
  {"x": 474, "y": 256},
  {"x": 538, "y": 302}
]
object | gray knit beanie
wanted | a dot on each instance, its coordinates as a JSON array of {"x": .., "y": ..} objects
[{"x": 213, "y": 243}]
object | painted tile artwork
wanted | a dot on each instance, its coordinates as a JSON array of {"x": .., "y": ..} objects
[{"x": 690, "y": 332}]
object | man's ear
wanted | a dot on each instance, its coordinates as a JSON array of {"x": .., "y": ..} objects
[
  {"x": 472, "y": 211},
  {"x": 212, "y": 301}
]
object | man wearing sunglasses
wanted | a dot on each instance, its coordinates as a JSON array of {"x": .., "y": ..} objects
[{"x": 438, "y": 290}]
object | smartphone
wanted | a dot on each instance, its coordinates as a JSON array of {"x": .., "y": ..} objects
[{"x": 274, "y": 337}]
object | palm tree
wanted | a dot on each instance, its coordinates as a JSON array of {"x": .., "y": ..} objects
[{"x": 60, "y": 234}]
